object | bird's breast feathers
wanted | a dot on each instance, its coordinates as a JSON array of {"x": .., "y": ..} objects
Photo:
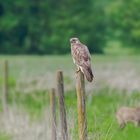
[{"x": 80, "y": 53}]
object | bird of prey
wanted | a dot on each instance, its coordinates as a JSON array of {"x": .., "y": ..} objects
[{"x": 81, "y": 58}]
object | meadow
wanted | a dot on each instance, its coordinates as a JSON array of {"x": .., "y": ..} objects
[{"x": 116, "y": 84}]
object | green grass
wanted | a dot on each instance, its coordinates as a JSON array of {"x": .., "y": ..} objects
[
  {"x": 101, "y": 107},
  {"x": 101, "y": 103},
  {"x": 4, "y": 136},
  {"x": 33, "y": 103},
  {"x": 37, "y": 65}
]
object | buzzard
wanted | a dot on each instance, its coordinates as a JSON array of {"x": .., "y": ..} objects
[{"x": 81, "y": 57}]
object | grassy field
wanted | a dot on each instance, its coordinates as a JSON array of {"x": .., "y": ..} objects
[{"x": 30, "y": 77}]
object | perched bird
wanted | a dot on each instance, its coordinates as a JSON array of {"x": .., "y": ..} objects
[{"x": 81, "y": 58}]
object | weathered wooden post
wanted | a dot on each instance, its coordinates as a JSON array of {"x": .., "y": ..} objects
[
  {"x": 5, "y": 86},
  {"x": 60, "y": 91},
  {"x": 81, "y": 106},
  {"x": 53, "y": 114}
]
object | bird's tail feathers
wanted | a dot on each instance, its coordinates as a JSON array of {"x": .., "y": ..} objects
[{"x": 88, "y": 73}]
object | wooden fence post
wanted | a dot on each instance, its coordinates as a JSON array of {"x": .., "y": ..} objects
[
  {"x": 5, "y": 86},
  {"x": 53, "y": 114},
  {"x": 60, "y": 91},
  {"x": 81, "y": 106}
]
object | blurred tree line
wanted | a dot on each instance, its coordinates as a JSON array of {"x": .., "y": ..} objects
[{"x": 45, "y": 26}]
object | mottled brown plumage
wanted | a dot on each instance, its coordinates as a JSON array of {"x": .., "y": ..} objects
[{"x": 81, "y": 57}]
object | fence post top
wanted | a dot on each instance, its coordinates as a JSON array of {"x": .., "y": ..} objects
[{"x": 59, "y": 71}]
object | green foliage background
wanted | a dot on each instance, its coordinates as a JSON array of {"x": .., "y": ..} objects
[{"x": 45, "y": 26}]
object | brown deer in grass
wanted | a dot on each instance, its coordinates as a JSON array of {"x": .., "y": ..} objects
[{"x": 128, "y": 114}]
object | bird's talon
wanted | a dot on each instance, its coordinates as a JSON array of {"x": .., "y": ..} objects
[{"x": 77, "y": 70}]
